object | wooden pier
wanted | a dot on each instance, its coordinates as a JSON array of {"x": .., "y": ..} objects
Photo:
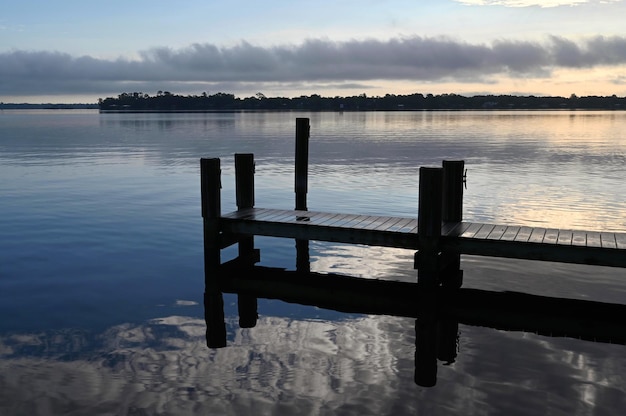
[{"x": 437, "y": 234}]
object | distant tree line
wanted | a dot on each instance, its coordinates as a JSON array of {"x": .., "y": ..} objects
[
  {"x": 28, "y": 106},
  {"x": 166, "y": 101}
]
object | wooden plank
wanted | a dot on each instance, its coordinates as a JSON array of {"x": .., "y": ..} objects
[
  {"x": 376, "y": 223},
  {"x": 298, "y": 216},
  {"x": 242, "y": 213},
  {"x": 336, "y": 221},
  {"x": 608, "y": 240},
  {"x": 307, "y": 217},
  {"x": 271, "y": 215},
  {"x": 523, "y": 234},
  {"x": 593, "y": 239},
  {"x": 284, "y": 217},
  {"x": 260, "y": 215},
  {"x": 510, "y": 233},
  {"x": 400, "y": 224},
  {"x": 620, "y": 239},
  {"x": 551, "y": 236},
  {"x": 353, "y": 221},
  {"x": 565, "y": 237},
  {"x": 325, "y": 219},
  {"x": 410, "y": 228},
  {"x": 497, "y": 232},
  {"x": 484, "y": 231},
  {"x": 579, "y": 238},
  {"x": 387, "y": 225},
  {"x": 366, "y": 222},
  {"x": 471, "y": 230},
  {"x": 536, "y": 235}
]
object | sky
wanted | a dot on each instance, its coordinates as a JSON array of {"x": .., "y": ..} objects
[{"x": 69, "y": 51}]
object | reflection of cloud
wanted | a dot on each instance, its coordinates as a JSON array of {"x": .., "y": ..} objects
[
  {"x": 302, "y": 364},
  {"x": 364, "y": 261},
  {"x": 186, "y": 302},
  {"x": 360, "y": 366}
]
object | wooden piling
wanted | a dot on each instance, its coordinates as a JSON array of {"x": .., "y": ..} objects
[
  {"x": 302, "y": 162},
  {"x": 210, "y": 189},
  {"x": 452, "y": 198},
  {"x": 429, "y": 225},
  {"x": 452, "y": 211},
  {"x": 244, "y": 180},
  {"x": 244, "y": 189},
  {"x": 210, "y": 185},
  {"x": 301, "y": 187}
]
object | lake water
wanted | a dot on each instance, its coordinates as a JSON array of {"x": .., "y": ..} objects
[{"x": 101, "y": 267}]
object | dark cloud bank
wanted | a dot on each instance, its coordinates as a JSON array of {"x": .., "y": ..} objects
[{"x": 203, "y": 66}]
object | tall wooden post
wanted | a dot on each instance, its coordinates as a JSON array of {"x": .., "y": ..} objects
[
  {"x": 210, "y": 189},
  {"x": 210, "y": 184},
  {"x": 429, "y": 226},
  {"x": 303, "y": 129},
  {"x": 427, "y": 263},
  {"x": 452, "y": 211},
  {"x": 244, "y": 180},
  {"x": 302, "y": 162},
  {"x": 244, "y": 189}
]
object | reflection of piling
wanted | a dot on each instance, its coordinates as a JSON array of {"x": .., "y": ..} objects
[
  {"x": 447, "y": 339},
  {"x": 214, "y": 318},
  {"x": 244, "y": 189},
  {"x": 301, "y": 188},
  {"x": 211, "y": 210},
  {"x": 425, "y": 352},
  {"x": 435, "y": 339}
]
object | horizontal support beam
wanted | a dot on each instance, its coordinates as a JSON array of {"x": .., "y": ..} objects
[
  {"x": 305, "y": 231},
  {"x": 595, "y": 256}
]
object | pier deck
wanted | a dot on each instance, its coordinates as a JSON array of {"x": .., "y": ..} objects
[{"x": 496, "y": 240}]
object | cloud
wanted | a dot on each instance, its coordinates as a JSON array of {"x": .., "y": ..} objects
[
  {"x": 314, "y": 62},
  {"x": 536, "y": 3}
]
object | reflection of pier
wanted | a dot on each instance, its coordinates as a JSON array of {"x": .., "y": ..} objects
[
  {"x": 439, "y": 237},
  {"x": 438, "y": 312}
]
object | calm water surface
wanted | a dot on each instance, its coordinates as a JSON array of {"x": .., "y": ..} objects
[{"x": 101, "y": 273}]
